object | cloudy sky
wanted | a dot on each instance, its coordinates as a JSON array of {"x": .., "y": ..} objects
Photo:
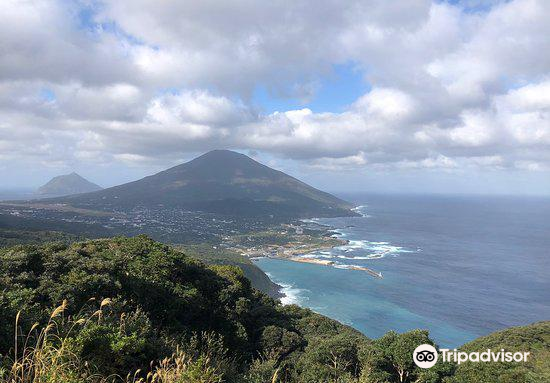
[{"x": 412, "y": 95}]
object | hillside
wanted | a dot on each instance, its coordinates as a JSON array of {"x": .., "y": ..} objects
[
  {"x": 66, "y": 185},
  {"x": 15, "y": 231},
  {"x": 534, "y": 338},
  {"x": 223, "y": 182},
  {"x": 159, "y": 300},
  {"x": 152, "y": 302},
  {"x": 219, "y": 256}
]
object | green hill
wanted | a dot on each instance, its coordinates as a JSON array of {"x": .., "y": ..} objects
[
  {"x": 159, "y": 315},
  {"x": 220, "y": 256},
  {"x": 534, "y": 338},
  {"x": 223, "y": 182},
  {"x": 161, "y": 301}
]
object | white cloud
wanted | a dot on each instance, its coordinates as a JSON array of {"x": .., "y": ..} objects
[
  {"x": 476, "y": 130},
  {"x": 389, "y": 104},
  {"x": 117, "y": 101},
  {"x": 439, "y": 162},
  {"x": 448, "y": 88},
  {"x": 532, "y": 166},
  {"x": 41, "y": 40},
  {"x": 335, "y": 164}
]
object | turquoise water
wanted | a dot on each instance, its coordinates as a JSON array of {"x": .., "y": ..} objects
[{"x": 460, "y": 267}]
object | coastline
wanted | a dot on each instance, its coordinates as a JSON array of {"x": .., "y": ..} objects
[
  {"x": 297, "y": 251},
  {"x": 325, "y": 262},
  {"x": 300, "y": 254},
  {"x": 302, "y": 241}
]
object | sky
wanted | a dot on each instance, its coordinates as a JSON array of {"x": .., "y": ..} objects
[{"x": 402, "y": 96}]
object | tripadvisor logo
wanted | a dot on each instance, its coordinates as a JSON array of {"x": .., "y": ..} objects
[{"x": 425, "y": 356}]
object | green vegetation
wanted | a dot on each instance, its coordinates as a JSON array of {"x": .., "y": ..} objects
[
  {"x": 159, "y": 315},
  {"x": 215, "y": 255},
  {"x": 209, "y": 254},
  {"x": 534, "y": 339},
  {"x": 17, "y": 237},
  {"x": 161, "y": 302},
  {"x": 48, "y": 357},
  {"x": 259, "y": 238},
  {"x": 27, "y": 228},
  {"x": 285, "y": 236},
  {"x": 389, "y": 359}
]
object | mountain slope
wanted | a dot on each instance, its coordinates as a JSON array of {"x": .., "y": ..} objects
[
  {"x": 221, "y": 256},
  {"x": 66, "y": 185},
  {"x": 534, "y": 338},
  {"x": 220, "y": 181},
  {"x": 154, "y": 300}
]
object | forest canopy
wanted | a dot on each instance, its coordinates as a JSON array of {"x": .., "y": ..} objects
[{"x": 132, "y": 306}]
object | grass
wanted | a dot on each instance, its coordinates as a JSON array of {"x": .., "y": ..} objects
[{"x": 44, "y": 355}]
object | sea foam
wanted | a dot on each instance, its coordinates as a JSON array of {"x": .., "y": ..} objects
[
  {"x": 361, "y": 209},
  {"x": 291, "y": 294}
]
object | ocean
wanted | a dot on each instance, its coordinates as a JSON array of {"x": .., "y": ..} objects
[{"x": 458, "y": 266}]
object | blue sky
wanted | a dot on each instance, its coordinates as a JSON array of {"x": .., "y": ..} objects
[
  {"x": 333, "y": 92},
  {"x": 421, "y": 96}
]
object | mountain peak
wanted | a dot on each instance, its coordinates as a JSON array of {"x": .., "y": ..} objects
[
  {"x": 67, "y": 184},
  {"x": 222, "y": 155},
  {"x": 220, "y": 181},
  {"x": 221, "y": 166}
]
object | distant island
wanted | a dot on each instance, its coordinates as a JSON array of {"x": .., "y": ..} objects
[{"x": 65, "y": 185}]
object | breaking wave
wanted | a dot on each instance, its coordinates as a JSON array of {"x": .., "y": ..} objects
[
  {"x": 361, "y": 209},
  {"x": 291, "y": 294}
]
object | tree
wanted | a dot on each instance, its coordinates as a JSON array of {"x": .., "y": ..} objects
[
  {"x": 331, "y": 359},
  {"x": 390, "y": 358}
]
